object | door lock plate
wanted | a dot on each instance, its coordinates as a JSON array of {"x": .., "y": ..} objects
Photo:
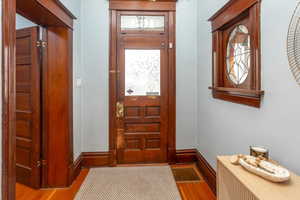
[{"x": 120, "y": 110}]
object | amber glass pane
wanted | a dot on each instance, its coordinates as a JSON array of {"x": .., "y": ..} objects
[
  {"x": 238, "y": 55},
  {"x": 142, "y": 72}
]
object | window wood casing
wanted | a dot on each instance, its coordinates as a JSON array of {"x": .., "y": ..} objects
[{"x": 236, "y": 13}]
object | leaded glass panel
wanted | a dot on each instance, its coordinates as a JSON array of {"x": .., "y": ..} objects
[
  {"x": 142, "y": 72},
  {"x": 238, "y": 55},
  {"x": 142, "y": 23}
]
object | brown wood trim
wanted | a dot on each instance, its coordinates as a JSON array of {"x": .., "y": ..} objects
[
  {"x": 70, "y": 97},
  {"x": 95, "y": 159},
  {"x": 58, "y": 101},
  {"x": 253, "y": 101},
  {"x": 113, "y": 86},
  {"x": 194, "y": 156},
  {"x": 238, "y": 90},
  {"x": 207, "y": 171},
  {"x": 65, "y": 9},
  {"x": 44, "y": 153},
  {"x": 53, "y": 11},
  {"x": 172, "y": 89},
  {"x": 234, "y": 8},
  {"x": 8, "y": 94},
  {"x": 171, "y": 149},
  {"x": 186, "y": 156},
  {"x": 58, "y": 10},
  {"x": 8, "y": 99},
  {"x": 143, "y": 5},
  {"x": 233, "y": 13},
  {"x": 75, "y": 169}
]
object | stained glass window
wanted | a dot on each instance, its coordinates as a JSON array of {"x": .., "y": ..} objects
[
  {"x": 142, "y": 72},
  {"x": 238, "y": 54},
  {"x": 142, "y": 23}
]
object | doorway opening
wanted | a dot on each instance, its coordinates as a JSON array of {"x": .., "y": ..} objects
[
  {"x": 28, "y": 81},
  {"x": 37, "y": 96}
]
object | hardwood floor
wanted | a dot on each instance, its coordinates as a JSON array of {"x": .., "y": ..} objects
[
  {"x": 26, "y": 193},
  {"x": 198, "y": 190}
]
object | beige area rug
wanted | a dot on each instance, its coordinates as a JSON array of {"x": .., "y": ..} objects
[{"x": 129, "y": 183}]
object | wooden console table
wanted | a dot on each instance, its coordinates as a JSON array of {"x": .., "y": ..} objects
[{"x": 235, "y": 183}]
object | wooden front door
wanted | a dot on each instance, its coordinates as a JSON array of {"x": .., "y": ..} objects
[
  {"x": 142, "y": 110},
  {"x": 28, "y": 108}
]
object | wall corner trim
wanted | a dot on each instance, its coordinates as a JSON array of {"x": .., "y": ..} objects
[{"x": 75, "y": 169}]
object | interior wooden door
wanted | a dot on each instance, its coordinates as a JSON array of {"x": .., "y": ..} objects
[
  {"x": 28, "y": 108},
  {"x": 142, "y": 94}
]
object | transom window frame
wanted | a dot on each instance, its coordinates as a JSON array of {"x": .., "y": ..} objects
[
  {"x": 143, "y": 31},
  {"x": 223, "y": 22},
  {"x": 141, "y": 25}
]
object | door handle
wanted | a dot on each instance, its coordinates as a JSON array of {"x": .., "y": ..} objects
[{"x": 120, "y": 110}]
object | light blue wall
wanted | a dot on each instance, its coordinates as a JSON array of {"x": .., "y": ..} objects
[
  {"x": 75, "y": 7},
  {"x": 227, "y": 128},
  {"x": 22, "y": 22},
  {"x": 186, "y": 74},
  {"x": 95, "y": 52}
]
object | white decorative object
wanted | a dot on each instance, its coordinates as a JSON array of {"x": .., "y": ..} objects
[
  {"x": 265, "y": 169},
  {"x": 293, "y": 44}
]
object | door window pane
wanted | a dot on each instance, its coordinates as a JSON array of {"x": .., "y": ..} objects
[
  {"x": 142, "y": 72},
  {"x": 142, "y": 23}
]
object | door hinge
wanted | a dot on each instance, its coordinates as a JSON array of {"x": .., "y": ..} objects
[
  {"x": 41, "y": 163},
  {"x": 171, "y": 45},
  {"x": 41, "y": 43},
  {"x": 38, "y": 163}
]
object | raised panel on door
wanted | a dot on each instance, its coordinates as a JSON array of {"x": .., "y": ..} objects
[
  {"x": 142, "y": 91},
  {"x": 28, "y": 117}
]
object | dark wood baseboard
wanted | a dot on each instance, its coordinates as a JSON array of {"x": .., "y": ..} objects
[
  {"x": 194, "y": 156},
  {"x": 88, "y": 160},
  {"x": 207, "y": 171},
  {"x": 186, "y": 156},
  {"x": 102, "y": 159},
  {"x": 95, "y": 159},
  {"x": 76, "y": 168}
]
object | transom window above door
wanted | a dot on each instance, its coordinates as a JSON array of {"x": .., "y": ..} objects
[{"x": 142, "y": 23}]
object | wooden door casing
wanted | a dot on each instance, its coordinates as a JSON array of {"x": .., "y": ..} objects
[
  {"x": 9, "y": 8},
  {"x": 28, "y": 108},
  {"x": 142, "y": 7},
  {"x": 142, "y": 132}
]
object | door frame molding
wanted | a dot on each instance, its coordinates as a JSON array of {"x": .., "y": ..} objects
[
  {"x": 8, "y": 99},
  {"x": 55, "y": 17},
  {"x": 116, "y": 6}
]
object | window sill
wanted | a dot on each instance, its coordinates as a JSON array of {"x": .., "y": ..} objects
[{"x": 240, "y": 96}]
